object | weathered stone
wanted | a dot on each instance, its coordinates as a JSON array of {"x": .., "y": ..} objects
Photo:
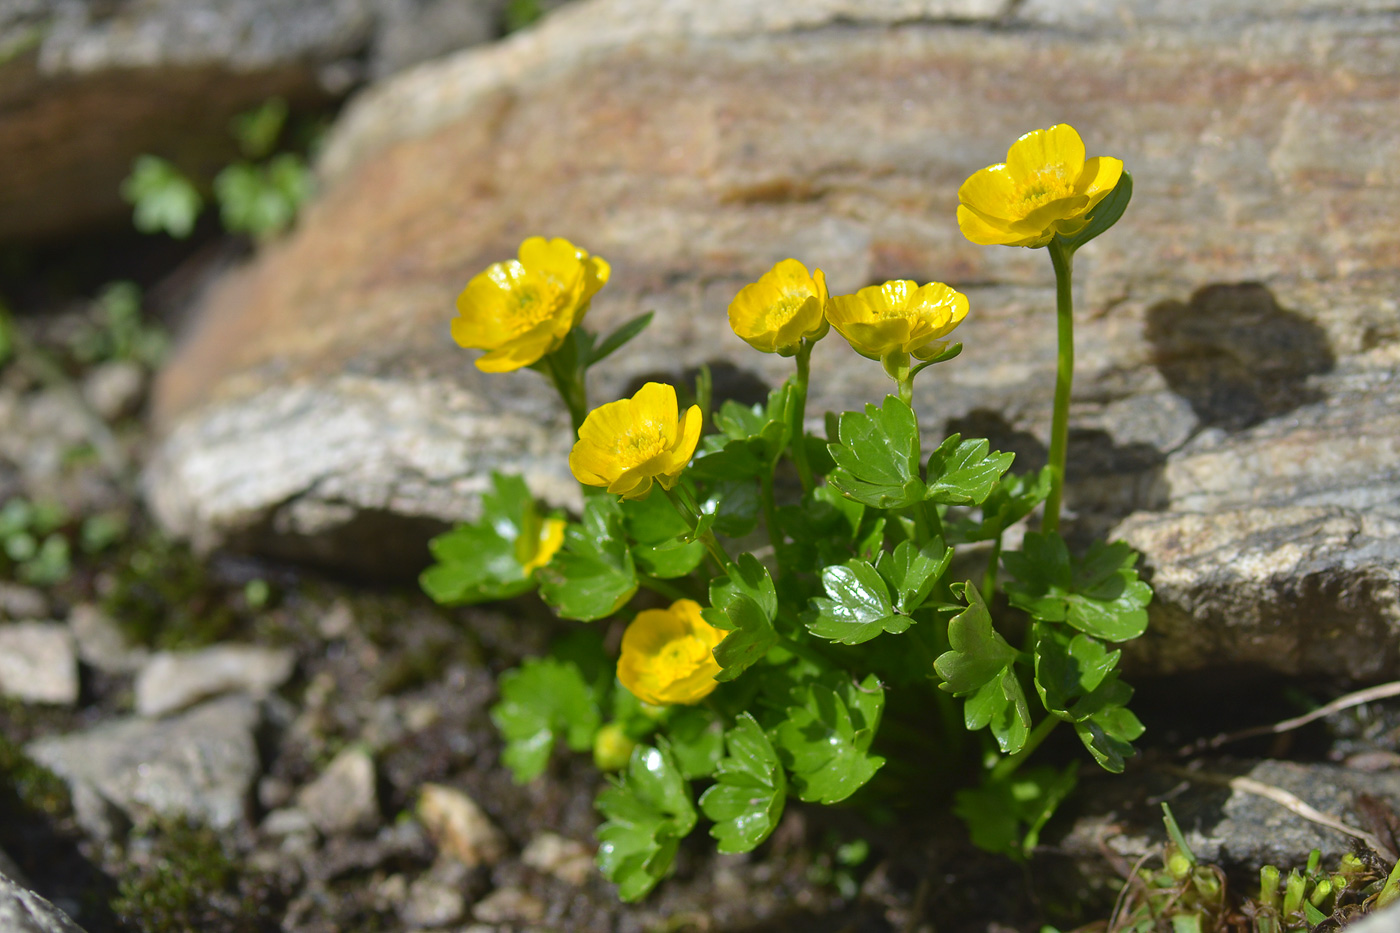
[
  {"x": 22, "y": 602},
  {"x": 113, "y": 81},
  {"x": 38, "y": 663},
  {"x": 458, "y": 827},
  {"x": 563, "y": 858},
  {"x": 23, "y": 911},
  {"x": 509, "y": 905},
  {"x": 174, "y": 680},
  {"x": 101, "y": 642},
  {"x": 200, "y": 764},
  {"x": 114, "y": 389},
  {"x": 437, "y": 898},
  {"x": 1382, "y": 921},
  {"x": 343, "y": 799},
  {"x": 1244, "y": 309}
]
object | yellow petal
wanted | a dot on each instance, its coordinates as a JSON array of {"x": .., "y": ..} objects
[
  {"x": 1038, "y": 150},
  {"x": 1100, "y": 176},
  {"x": 678, "y": 457},
  {"x": 521, "y": 351},
  {"x": 991, "y": 192},
  {"x": 655, "y": 403},
  {"x": 485, "y": 307},
  {"x": 980, "y": 231}
]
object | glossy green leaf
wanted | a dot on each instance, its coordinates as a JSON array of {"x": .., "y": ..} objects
[
  {"x": 825, "y": 740},
  {"x": 647, "y": 812},
  {"x": 481, "y": 560},
  {"x": 751, "y": 438},
  {"x": 980, "y": 666},
  {"x": 736, "y": 506},
  {"x": 1013, "y": 498},
  {"x": 857, "y": 605},
  {"x": 1068, "y": 668},
  {"x": 1105, "y": 214},
  {"x": 1108, "y": 735},
  {"x": 620, "y": 338},
  {"x": 1099, "y": 594},
  {"x": 697, "y": 739},
  {"x": 747, "y": 799},
  {"x": 593, "y": 575},
  {"x": 912, "y": 572},
  {"x": 165, "y": 200},
  {"x": 541, "y": 701},
  {"x": 963, "y": 472},
  {"x": 661, "y": 548},
  {"x": 1006, "y": 816},
  {"x": 821, "y": 530},
  {"x": 744, "y": 603},
  {"x": 877, "y": 458}
]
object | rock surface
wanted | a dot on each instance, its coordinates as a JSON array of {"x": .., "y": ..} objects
[
  {"x": 1237, "y": 334},
  {"x": 38, "y": 663},
  {"x": 115, "y": 80},
  {"x": 343, "y": 799},
  {"x": 174, "y": 680},
  {"x": 200, "y": 764},
  {"x": 459, "y": 827},
  {"x": 23, "y": 911}
]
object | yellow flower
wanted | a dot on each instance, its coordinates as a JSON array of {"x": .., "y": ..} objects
[
  {"x": 775, "y": 313},
  {"x": 898, "y": 317},
  {"x": 522, "y": 309},
  {"x": 546, "y": 545},
  {"x": 1044, "y": 187},
  {"x": 668, "y": 655},
  {"x": 626, "y": 444}
]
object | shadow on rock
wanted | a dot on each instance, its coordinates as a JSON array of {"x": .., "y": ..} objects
[
  {"x": 727, "y": 381},
  {"x": 1236, "y": 355}
]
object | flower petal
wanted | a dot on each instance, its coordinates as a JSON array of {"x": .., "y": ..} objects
[
  {"x": 1038, "y": 150},
  {"x": 991, "y": 192},
  {"x": 1100, "y": 176},
  {"x": 982, "y": 232}
]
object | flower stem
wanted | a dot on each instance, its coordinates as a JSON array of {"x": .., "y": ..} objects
[
  {"x": 799, "y": 416},
  {"x": 770, "y": 513},
  {"x": 989, "y": 579},
  {"x": 1007, "y": 766},
  {"x": 692, "y": 518},
  {"x": 1062, "y": 257},
  {"x": 571, "y": 389}
]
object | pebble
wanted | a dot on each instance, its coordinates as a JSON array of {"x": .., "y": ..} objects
[
  {"x": 200, "y": 764},
  {"x": 22, "y": 602},
  {"x": 38, "y": 663},
  {"x": 114, "y": 388},
  {"x": 343, "y": 799},
  {"x": 509, "y": 905},
  {"x": 101, "y": 642},
  {"x": 565, "y": 859},
  {"x": 171, "y": 681},
  {"x": 433, "y": 902},
  {"x": 459, "y": 827},
  {"x": 288, "y": 821}
]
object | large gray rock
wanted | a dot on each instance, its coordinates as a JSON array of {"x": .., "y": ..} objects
[
  {"x": 23, "y": 911},
  {"x": 1237, "y": 335},
  {"x": 173, "y": 680},
  {"x": 200, "y": 764},
  {"x": 114, "y": 80}
]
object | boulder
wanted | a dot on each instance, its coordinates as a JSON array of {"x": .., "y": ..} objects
[
  {"x": 1237, "y": 333},
  {"x": 87, "y": 87}
]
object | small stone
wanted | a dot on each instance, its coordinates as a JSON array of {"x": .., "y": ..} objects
[
  {"x": 343, "y": 798},
  {"x": 458, "y": 826},
  {"x": 431, "y": 902},
  {"x": 563, "y": 858},
  {"x": 200, "y": 764},
  {"x": 38, "y": 663},
  {"x": 338, "y": 621},
  {"x": 509, "y": 905},
  {"x": 114, "y": 388},
  {"x": 22, "y": 602},
  {"x": 23, "y": 911},
  {"x": 174, "y": 680},
  {"x": 101, "y": 642},
  {"x": 288, "y": 821}
]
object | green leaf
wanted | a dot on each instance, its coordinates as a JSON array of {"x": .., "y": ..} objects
[
  {"x": 1099, "y": 594},
  {"x": 877, "y": 459},
  {"x": 821, "y": 530},
  {"x": 1067, "y": 669},
  {"x": 262, "y": 200},
  {"x": 165, "y": 200},
  {"x": 747, "y": 799},
  {"x": 744, "y": 603},
  {"x": 858, "y": 606},
  {"x": 647, "y": 813},
  {"x": 751, "y": 438},
  {"x": 620, "y": 338},
  {"x": 1006, "y": 816},
  {"x": 981, "y": 666},
  {"x": 1105, "y": 215},
  {"x": 593, "y": 575},
  {"x": 543, "y": 700},
  {"x": 661, "y": 548},
  {"x": 1011, "y": 499},
  {"x": 735, "y": 504},
  {"x": 912, "y": 572},
  {"x": 1108, "y": 735},
  {"x": 697, "y": 739},
  {"x": 257, "y": 130},
  {"x": 825, "y": 740},
  {"x": 484, "y": 560},
  {"x": 962, "y": 472}
]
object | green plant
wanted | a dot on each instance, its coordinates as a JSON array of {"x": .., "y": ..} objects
[
  {"x": 119, "y": 331},
  {"x": 35, "y": 546},
  {"x": 769, "y": 673}
]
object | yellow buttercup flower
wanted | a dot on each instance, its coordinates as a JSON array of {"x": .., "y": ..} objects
[
  {"x": 546, "y": 545},
  {"x": 626, "y": 444},
  {"x": 668, "y": 655},
  {"x": 898, "y": 317},
  {"x": 1045, "y": 187},
  {"x": 786, "y": 305},
  {"x": 522, "y": 309}
]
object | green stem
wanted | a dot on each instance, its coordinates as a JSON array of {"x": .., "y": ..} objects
[
  {"x": 989, "y": 579},
  {"x": 1007, "y": 766},
  {"x": 799, "y": 416},
  {"x": 571, "y": 389},
  {"x": 692, "y": 517},
  {"x": 770, "y": 513},
  {"x": 660, "y": 586},
  {"x": 1062, "y": 258}
]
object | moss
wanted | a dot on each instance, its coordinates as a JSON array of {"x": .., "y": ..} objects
[
  {"x": 163, "y": 597},
  {"x": 37, "y": 788}
]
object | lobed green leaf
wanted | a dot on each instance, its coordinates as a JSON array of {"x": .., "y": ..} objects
[
  {"x": 825, "y": 740},
  {"x": 593, "y": 575},
  {"x": 980, "y": 665},
  {"x": 1099, "y": 594},
  {"x": 877, "y": 457},
  {"x": 747, "y": 799},
  {"x": 744, "y": 603},
  {"x": 963, "y": 472},
  {"x": 647, "y": 812},
  {"x": 542, "y": 701},
  {"x": 857, "y": 607}
]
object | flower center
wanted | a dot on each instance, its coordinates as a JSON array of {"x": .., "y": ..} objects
[
  {"x": 1049, "y": 184},
  {"x": 640, "y": 444},
  {"x": 783, "y": 311},
  {"x": 683, "y": 656},
  {"x": 536, "y": 300}
]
